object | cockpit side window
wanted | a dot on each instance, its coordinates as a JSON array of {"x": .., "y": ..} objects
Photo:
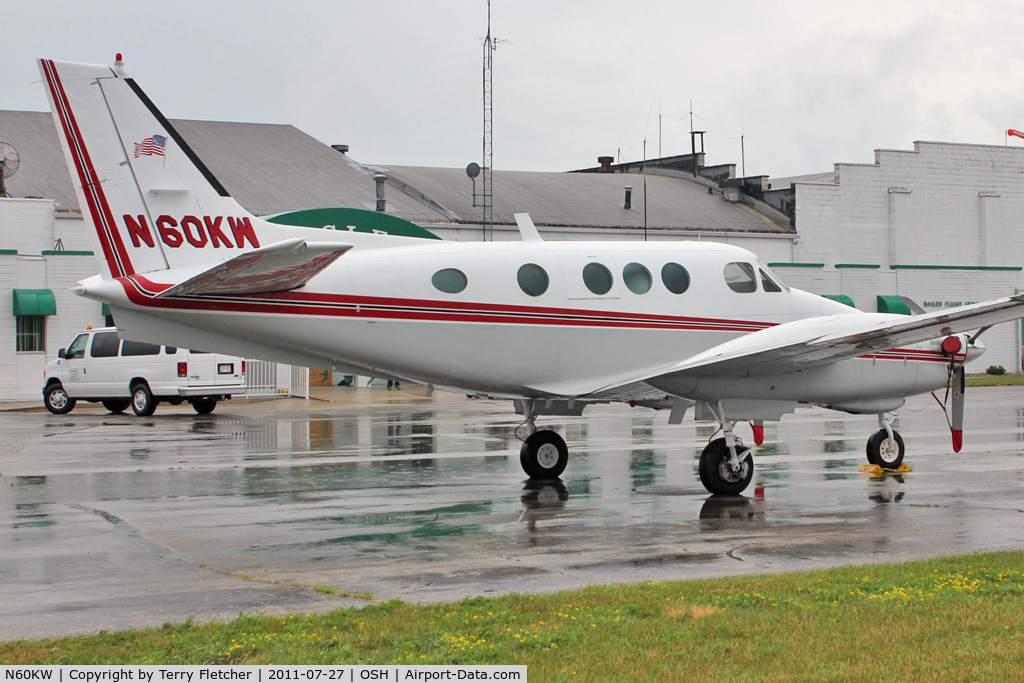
[
  {"x": 740, "y": 277},
  {"x": 768, "y": 284}
]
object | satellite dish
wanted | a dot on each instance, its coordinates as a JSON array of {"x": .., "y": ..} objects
[
  {"x": 9, "y": 162},
  {"x": 473, "y": 170}
]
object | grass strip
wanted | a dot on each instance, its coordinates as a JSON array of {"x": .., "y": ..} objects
[
  {"x": 948, "y": 619},
  {"x": 995, "y": 381}
]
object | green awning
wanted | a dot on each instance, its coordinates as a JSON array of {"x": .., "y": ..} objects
[
  {"x": 105, "y": 309},
  {"x": 892, "y": 304},
  {"x": 841, "y": 298},
  {"x": 34, "y": 302}
]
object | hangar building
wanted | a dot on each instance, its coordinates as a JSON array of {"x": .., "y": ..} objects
[{"x": 935, "y": 225}]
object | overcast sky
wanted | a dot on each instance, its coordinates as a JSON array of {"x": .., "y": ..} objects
[{"x": 809, "y": 83}]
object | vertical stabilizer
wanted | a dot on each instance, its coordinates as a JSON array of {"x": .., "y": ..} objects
[{"x": 152, "y": 202}]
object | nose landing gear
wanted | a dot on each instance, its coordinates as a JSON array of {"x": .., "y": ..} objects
[{"x": 885, "y": 447}]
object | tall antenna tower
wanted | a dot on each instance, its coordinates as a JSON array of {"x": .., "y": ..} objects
[
  {"x": 488, "y": 162},
  {"x": 488, "y": 193}
]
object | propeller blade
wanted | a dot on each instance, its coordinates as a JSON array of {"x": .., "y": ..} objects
[{"x": 957, "y": 424}]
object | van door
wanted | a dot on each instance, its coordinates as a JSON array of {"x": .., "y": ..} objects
[
  {"x": 102, "y": 365},
  {"x": 141, "y": 359},
  {"x": 213, "y": 369},
  {"x": 72, "y": 366}
]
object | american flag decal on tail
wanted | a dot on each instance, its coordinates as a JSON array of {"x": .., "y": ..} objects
[{"x": 151, "y": 146}]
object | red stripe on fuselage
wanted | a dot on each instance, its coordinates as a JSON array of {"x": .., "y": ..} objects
[
  {"x": 110, "y": 240},
  {"x": 143, "y": 291}
]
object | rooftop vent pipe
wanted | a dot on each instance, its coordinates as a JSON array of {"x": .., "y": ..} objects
[
  {"x": 629, "y": 198},
  {"x": 340, "y": 148},
  {"x": 606, "y": 164},
  {"x": 380, "y": 179}
]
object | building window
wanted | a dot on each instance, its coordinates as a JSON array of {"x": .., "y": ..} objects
[{"x": 31, "y": 333}]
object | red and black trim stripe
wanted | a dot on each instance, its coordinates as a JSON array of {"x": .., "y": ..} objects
[
  {"x": 144, "y": 292},
  {"x": 110, "y": 240}
]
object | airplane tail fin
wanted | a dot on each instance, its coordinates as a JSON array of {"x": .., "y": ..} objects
[{"x": 154, "y": 205}]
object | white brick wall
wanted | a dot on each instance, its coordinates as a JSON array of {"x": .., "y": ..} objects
[
  {"x": 939, "y": 204},
  {"x": 29, "y": 227}
]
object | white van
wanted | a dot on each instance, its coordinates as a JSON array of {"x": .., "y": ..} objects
[{"x": 98, "y": 366}]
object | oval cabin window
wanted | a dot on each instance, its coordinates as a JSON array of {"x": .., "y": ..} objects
[
  {"x": 449, "y": 280},
  {"x": 675, "y": 278},
  {"x": 532, "y": 279},
  {"x": 597, "y": 278},
  {"x": 637, "y": 278}
]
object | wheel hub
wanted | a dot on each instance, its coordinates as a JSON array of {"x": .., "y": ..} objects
[
  {"x": 730, "y": 474},
  {"x": 58, "y": 399},
  {"x": 547, "y": 456},
  {"x": 888, "y": 451}
]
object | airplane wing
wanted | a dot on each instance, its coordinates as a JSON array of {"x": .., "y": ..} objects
[
  {"x": 277, "y": 267},
  {"x": 817, "y": 341},
  {"x": 796, "y": 345}
]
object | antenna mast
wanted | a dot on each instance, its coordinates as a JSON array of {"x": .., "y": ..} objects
[{"x": 488, "y": 195}]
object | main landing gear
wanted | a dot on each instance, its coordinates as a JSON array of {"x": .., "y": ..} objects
[
  {"x": 543, "y": 454},
  {"x": 885, "y": 447},
  {"x": 726, "y": 465}
]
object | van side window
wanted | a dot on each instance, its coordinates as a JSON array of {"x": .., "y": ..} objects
[
  {"x": 77, "y": 348},
  {"x": 740, "y": 277},
  {"x": 170, "y": 350},
  {"x": 104, "y": 345},
  {"x": 134, "y": 348}
]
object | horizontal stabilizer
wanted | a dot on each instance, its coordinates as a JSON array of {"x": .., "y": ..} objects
[{"x": 277, "y": 267}]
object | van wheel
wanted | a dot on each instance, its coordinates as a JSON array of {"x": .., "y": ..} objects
[
  {"x": 143, "y": 402},
  {"x": 116, "y": 405},
  {"x": 204, "y": 406},
  {"x": 57, "y": 400}
]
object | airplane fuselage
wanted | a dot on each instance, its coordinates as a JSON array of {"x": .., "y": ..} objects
[{"x": 385, "y": 311}]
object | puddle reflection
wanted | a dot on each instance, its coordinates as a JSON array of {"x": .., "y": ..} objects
[{"x": 718, "y": 510}]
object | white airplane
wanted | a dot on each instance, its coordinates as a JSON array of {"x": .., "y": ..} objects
[{"x": 555, "y": 326}]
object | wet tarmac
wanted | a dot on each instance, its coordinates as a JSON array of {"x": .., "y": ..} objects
[{"x": 110, "y": 521}]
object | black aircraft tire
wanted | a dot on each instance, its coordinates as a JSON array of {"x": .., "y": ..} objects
[
  {"x": 143, "y": 403},
  {"x": 714, "y": 469},
  {"x": 57, "y": 400},
  {"x": 544, "y": 455},
  {"x": 880, "y": 451},
  {"x": 116, "y": 405}
]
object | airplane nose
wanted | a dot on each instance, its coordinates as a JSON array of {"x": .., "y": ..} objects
[{"x": 975, "y": 349}]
